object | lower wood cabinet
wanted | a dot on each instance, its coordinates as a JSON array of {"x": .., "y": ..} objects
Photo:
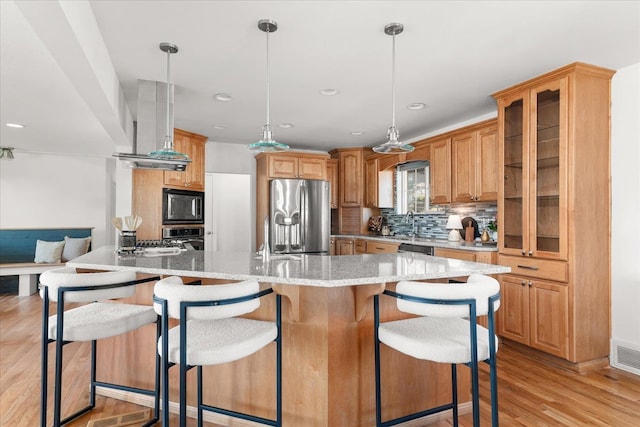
[
  {"x": 534, "y": 313},
  {"x": 345, "y": 247},
  {"x": 360, "y": 246},
  {"x": 473, "y": 256},
  {"x": 375, "y": 247}
]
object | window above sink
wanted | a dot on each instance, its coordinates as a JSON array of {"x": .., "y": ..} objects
[{"x": 412, "y": 187}]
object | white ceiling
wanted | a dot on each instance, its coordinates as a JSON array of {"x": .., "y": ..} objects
[{"x": 69, "y": 70}]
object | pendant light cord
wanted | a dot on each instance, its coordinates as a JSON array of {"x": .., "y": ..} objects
[
  {"x": 393, "y": 81},
  {"x": 268, "y": 80},
  {"x": 168, "y": 136}
]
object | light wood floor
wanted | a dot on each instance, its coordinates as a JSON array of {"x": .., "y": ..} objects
[{"x": 531, "y": 392}]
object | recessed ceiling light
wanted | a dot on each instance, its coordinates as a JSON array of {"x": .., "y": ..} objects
[
  {"x": 416, "y": 106},
  {"x": 222, "y": 97},
  {"x": 14, "y": 125},
  {"x": 219, "y": 127},
  {"x": 357, "y": 133},
  {"x": 329, "y": 92},
  {"x": 286, "y": 125}
]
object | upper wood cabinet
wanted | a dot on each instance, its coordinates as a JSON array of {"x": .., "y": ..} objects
[
  {"x": 440, "y": 171},
  {"x": 289, "y": 164},
  {"x": 378, "y": 184},
  {"x": 332, "y": 177},
  {"x": 296, "y": 165},
  {"x": 474, "y": 157},
  {"x": 192, "y": 178},
  {"x": 350, "y": 176},
  {"x": 534, "y": 153}
]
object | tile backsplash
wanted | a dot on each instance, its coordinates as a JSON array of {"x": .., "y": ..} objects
[{"x": 432, "y": 224}]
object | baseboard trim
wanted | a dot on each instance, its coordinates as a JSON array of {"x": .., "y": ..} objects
[{"x": 223, "y": 420}]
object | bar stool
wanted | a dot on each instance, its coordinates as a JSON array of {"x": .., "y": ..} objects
[
  {"x": 445, "y": 332},
  {"x": 89, "y": 322},
  {"x": 209, "y": 334}
]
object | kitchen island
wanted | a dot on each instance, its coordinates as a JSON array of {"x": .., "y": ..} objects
[{"x": 327, "y": 332}]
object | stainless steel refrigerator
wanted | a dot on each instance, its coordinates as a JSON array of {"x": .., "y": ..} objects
[{"x": 300, "y": 216}]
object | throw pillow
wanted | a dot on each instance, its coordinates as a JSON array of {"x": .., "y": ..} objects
[
  {"x": 74, "y": 247},
  {"x": 48, "y": 251}
]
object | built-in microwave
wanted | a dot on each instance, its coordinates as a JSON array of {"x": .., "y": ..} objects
[{"x": 182, "y": 206}]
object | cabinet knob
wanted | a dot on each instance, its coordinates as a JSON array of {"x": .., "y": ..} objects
[
  {"x": 524, "y": 252},
  {"x": 523, "y": 283},
  {"x": 530, "y": 283},
  {"x": 530, "y": 253}
]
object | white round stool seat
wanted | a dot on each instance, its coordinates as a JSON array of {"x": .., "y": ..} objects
[
  {"x": 220, "y": 341},
  {"x": 442, "y": 340},
  {"x": 102, "y": 320}
]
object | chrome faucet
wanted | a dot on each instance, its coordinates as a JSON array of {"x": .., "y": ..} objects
[{"x": 413, "y": 222}]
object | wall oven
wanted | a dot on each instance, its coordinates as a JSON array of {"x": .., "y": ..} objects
[{"x": 182, "y": 207}]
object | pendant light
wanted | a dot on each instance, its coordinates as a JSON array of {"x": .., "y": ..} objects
[
  {"x": 168, "y": 152},
  {"x": 267, "y": 143},
  {"x": 393, "y": 145}
]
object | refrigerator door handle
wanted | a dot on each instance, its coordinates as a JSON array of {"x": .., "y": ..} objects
[{"x": 303, "y": 217}]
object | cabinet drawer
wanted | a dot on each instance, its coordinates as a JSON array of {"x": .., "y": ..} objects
[
  {"x": 381, "y": 247},
  {"x": 539, "y": 268}
]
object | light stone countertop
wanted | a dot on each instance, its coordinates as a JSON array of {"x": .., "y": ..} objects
[
  {"x": 306, "y": 270},
  {"x": 425, "y": 241}
]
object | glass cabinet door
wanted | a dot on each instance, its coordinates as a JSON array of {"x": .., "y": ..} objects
[
  {"x": 512, "y": 221},
  {"x": 548, "y": 172}
]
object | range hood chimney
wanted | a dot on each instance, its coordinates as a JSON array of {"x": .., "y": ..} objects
[
  {"x": 150, "y": 128},
  {"x": 155, "y": 108}
]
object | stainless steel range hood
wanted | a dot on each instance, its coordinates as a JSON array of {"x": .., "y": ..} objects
[{"x": 150, "y": 128}]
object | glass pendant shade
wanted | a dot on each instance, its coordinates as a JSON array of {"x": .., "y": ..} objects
[
  {"x": 168, "y": 152},
  {"x": 267, "y": 143},
  {"x": 393, "y": 144}
]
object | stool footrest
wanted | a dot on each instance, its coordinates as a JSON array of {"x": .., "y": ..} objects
[
  {"x": 125, "y": 388},
  {"x": 416, "y": 415},
  {"x": 239, "y": 415},
  {"x": 76, "y": 414}
]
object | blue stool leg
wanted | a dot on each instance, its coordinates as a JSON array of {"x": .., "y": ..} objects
[
  {"x": 44, "y": 369},
  {"x": 454, "y": 393},
  {"x": 494, "y": 392},
  {"x": 92, "y": 388},
  {"x": 199, "y": 372}
]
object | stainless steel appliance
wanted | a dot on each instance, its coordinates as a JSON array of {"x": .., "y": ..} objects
[
  {"x": 187, "y": 237},
  {"x": 408, "y": 247},
  {"x": 190, "y": 238},
  {"x": 182, "y": 207},
  {"x": 300, "y": 216}
]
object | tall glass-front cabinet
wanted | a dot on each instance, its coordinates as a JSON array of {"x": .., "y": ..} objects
[{"x": 554, "y": 212}]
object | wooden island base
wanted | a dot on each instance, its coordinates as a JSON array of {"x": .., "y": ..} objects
[{"x": 328, "y": 365}]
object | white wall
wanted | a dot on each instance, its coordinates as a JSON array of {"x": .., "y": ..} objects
[
  {"x": 42, "y": 190},
  {"x": 625, "y": 229},
  {"x": 222, "y": 157}
]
